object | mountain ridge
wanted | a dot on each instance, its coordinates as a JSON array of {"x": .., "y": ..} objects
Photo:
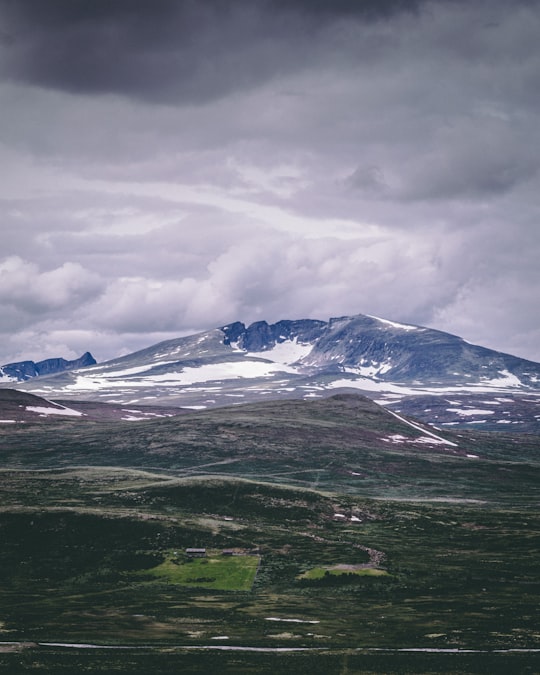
[
  {"x": 307, "y": 358},
  {"x": 20, "y": 371}
]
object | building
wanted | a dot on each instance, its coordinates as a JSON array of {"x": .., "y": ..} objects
[{"x": 196, "y": 552}]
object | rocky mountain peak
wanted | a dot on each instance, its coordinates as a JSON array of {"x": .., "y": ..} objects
[{"x": 24, "y": 370}]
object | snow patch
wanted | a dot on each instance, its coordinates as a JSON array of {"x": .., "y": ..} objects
[
  {"x": 430, "y": 440},
  {"x": 191, "y": 375},
  {"x": 44, "y": 410},
  {"x": 395, "y": 438},
  {"x": 394, "y": 324},
  {"x": 424, "y": 431},
  {"x": 372, "y": 370},
  {"x": 286, "y": 352},
  {"x": 470, "y": 411},
  {"x": 506, "y": 379},
  {"x": 275, "y": 618}
]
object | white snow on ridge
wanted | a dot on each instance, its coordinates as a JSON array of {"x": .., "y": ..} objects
[
  {"x": 45, "y": 410},
  {"x": 507, "y": 379},
  {"x": 470, "y": 411},
  {"x": 222, "y": 371},
  {"x": 394, "y": 324},
  {"x": 277, "y": 618},
  {"x": 429, "y": 440},
  {"x": 373, "y": 370},
  {"x": 424, "y": 431},
  {"x": 191, "y": 375},
  {"x": 286, "y": 352},
  {"x": 367, "y": 384},
  {"x": 136, "y": 370}
]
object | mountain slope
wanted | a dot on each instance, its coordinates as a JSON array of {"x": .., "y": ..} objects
[
  {"x": 20, "y": 407},
  {"x": 386, "y": 351},
  {"x": 296, "y": 359},
  {"x": 344, "y": 443}
]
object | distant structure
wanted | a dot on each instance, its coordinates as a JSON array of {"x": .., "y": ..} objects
[{"x": 196, "y": 552}]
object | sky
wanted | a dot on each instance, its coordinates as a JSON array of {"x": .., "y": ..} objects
[{"x": 170, "y": 166}]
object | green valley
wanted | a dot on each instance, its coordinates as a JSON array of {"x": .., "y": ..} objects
[{"x": 365, "y": 556}]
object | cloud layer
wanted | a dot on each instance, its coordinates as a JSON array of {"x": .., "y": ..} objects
[{"x": 177, "y": 165}]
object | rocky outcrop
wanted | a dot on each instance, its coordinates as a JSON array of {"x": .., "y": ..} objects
[{"x": 24, "y": 370}]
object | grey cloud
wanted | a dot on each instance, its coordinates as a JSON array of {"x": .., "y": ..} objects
[
  {"x": 369, "y": 180},
  {"x": 29, "y": 295},
  {"x": 165, "y": 50},
  {"x": 471, "y": 158},
  {"x": 173, "y": 50},
  {"x": 24, "y": 286},
  {"x": 412, "y": 132},
  {"x": 277, "y": 276}
]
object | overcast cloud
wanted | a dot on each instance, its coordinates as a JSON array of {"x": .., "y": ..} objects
[{"x": 175, "y": 165}]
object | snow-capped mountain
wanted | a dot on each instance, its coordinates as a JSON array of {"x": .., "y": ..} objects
[
  {"x": 385, "y": 360},
  {"x": 24, "y": 370},
  {"x": 385, "y": 351}
]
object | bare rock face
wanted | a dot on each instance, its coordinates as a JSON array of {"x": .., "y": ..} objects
[
  {"x": 261, "y": 336},
  {"x": 24, "y": 370}
]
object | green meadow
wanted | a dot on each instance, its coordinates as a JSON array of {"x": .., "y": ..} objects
[
  {"x": 216, "y": 571},
  {"x": 318, "y": 573}
]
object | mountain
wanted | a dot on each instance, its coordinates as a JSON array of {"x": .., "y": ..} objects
[
  {"x": 387, "y": 351},
  {"x": 24, "y": 370},
  {"x": 382, "y": 359}
]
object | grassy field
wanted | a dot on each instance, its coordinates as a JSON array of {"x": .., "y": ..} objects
[
  {"x": 62, "y": 661},
  {"x": 341, "y": 444},
  {"x": 322, "y": 573},
  {"x": 458, "y": 575},
  {"x": 214, "y": 571},
  {"x": 96, "y": 555}
]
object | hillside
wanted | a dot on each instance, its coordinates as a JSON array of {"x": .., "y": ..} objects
[
  {"x": 20, "y": 407},
  {"x": 331, "y": 526},
  {"x": 345, "y": 443}
]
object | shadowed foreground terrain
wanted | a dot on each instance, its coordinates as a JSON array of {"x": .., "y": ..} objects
[{"x": 363, "y": 544}]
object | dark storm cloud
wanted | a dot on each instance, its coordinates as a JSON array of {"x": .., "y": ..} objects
[
  {"x": 167, "y": 50},
  {"x": 266, "y": 159}
]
